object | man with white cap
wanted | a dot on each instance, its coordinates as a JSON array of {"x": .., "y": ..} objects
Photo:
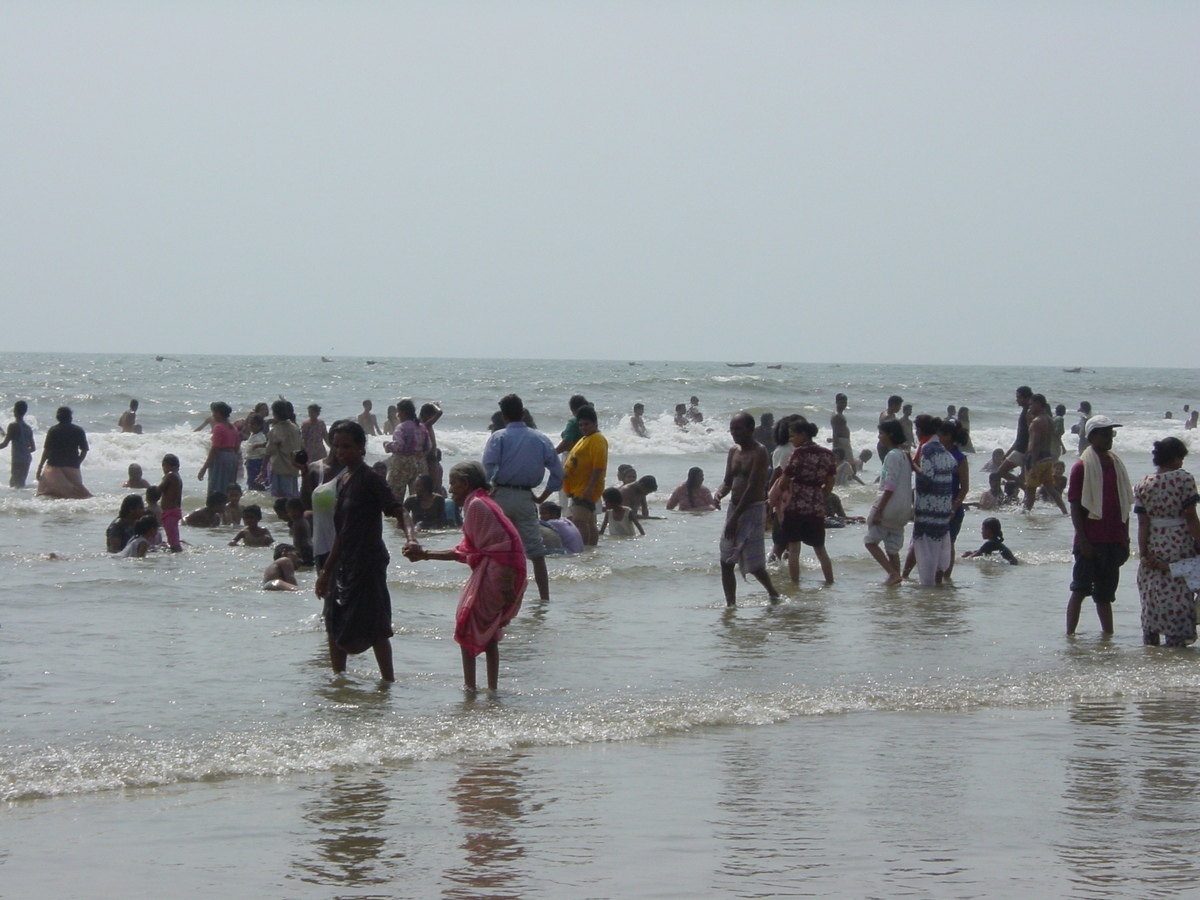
[{"x": 1100, "y": 496}]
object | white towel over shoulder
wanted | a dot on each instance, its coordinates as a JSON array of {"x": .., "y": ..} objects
[{"x": 1092, "y": 497}]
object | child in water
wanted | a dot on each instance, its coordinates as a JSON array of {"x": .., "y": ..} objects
[
  {"x": 210, "y": 515},
  {"x": 301, "y": 530},
  {"x": 253, "y": 535},
  {"x": 145, "y": 536},
  {"x": 231, "y": 514},
  {"x": 993, "y": 542},
  {"x": 622, "y": 518},
  {"x": 136, "y": 480},
  {"x": 280, "y": 575}
]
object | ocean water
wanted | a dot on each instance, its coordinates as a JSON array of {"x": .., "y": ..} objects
[{"x": 166, "y": 725}]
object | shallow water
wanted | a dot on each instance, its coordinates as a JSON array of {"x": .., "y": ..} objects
[{"x": 167, "y": 725}]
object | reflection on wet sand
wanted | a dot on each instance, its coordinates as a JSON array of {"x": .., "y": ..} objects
[
  {"x": 491, "y": 807},
  {"x": 354, "y": 844},
  {"x": 1134, "y": 771}
]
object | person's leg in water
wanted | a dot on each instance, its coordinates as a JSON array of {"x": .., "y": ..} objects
[
  {"x": 383, "y": 656},
  {"x": 729, "y": 583},
  {"x": 793, "y": 561},
  {"x": 337, "y": 657},
  {"x": 826, "y": 563},
  {"x": 890, "y": 562},
  {"x": 468, "y": 661},
  {"x": 493, "y": 664}
]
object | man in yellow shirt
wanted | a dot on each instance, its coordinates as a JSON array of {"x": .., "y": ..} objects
[{"x": 584, "y": 479}]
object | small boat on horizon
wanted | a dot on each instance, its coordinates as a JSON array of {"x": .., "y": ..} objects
[{"x": 740, "y": 365}]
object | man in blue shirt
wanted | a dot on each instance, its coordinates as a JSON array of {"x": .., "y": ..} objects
[{"x": 517, "y": 459}]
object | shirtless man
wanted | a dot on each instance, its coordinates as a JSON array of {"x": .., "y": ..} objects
[
  {"x": 367, "y": 419},
  {"x": 128, "y": 421},
  {"x": 742, "y": 541},
  {"x": 841, "y": 431},
  {"x": 906, "y": 423},
  {"x": 1016, "y": 454},
  {"x": 637, "y": 422},
  {"x": 888, "y": 415},
  {"x": 1042, "y": 452},
  {"x": 693, "y": 410}
]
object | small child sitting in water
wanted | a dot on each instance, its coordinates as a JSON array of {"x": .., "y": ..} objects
[
  {"x": 231, "y": 514},
  {"x": 623, "y": 519},
  {"x": 993, "y": 542},
  {"x": 136, "y": 480},
  {"x": 210, "y": 515},
  {"x": 253, "y": 535},
  {"x": 145, "y": 536},
  {"x": 301, "y": 530},
  {"x": 280, "y": 575}
]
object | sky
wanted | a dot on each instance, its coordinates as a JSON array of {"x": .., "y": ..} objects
[{"x": 961, "y": 182}]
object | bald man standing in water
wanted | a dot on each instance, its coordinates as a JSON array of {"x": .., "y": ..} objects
[{"x": 743, "y": 542}]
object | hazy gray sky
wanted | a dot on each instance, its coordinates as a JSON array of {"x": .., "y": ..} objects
[{"x": 952, "y": 182}]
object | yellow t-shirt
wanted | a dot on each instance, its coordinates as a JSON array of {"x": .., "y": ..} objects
[{"x": 591, "y": 452}]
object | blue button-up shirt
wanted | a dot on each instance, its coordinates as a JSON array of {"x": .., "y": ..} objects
[{"x": 518, "y": 455}]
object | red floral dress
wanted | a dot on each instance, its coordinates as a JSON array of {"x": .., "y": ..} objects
[{"x": 1168, "y": 605}]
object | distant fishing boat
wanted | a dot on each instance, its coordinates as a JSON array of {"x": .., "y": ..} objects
[
  {"x": 1074, "y": 371},
  {"x": 370, "y": 362},
  {"x": 780, "y": 366},
  {"x": 326, "y": 359},
  {"x": 739, "y": 365}
]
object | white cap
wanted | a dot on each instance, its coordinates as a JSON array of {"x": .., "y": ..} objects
[{"x": 1099, "y": 422}]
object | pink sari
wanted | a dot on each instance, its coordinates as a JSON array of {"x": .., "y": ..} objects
[{"x": 490, "y": 542}]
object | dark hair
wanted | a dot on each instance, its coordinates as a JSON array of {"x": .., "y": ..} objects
[
  {"x": 576, "y": 401},
  {"x": 20, "y": 407},
  {"x": 217, "y": 498},
  {"x": 895, "y": 400},
  {"x": 234, "y": 486},
  {"x": 427, "y": 409},
  {"x": 145, "y": 524},
  {"x": 129, "y": 504},
  {"x": 1024, "y": 391},
  {"x": 511, "y": 407},
  {"x": 153, "y": 494},
  {"x": 767, "y": 419},
  {"x": 282, "y": 549},
  {"x": 253, "y": 510},
  {"x": 587, "y": 413},
  {"x": 638, "y": 406},
  {"x": 221, "y": 408},
  {"x": 694, "y": 479},
  {"x": 953, "y": 430},
  {"x": 279, "y": 506},
  {"x": 780, "y": 432},
  {"x": 927, "y": 425},
  {"x": 994, "y": 525},
  {"x": 63, "y": 414},
  {"x": 1039, "y": 399},
  {"x": 551, "y": 507},
  {"x": 801, "y": 425},
  {"x": 313, "y": 406},
  {"x": 1060, "y": 410},
  {"x": 350, "y": 427},
  {"x": 894, "y": 430},
  {"x": 255, "y": 421},
  {"x": 649, "y": 482},
  {"x": 406, "y": 406},
  {"x": 295, "y": 503},
  {"x": 424, "y": 482},
  {"x": 1168, "y": 450},
  {"x": 611, "y": 495},
  {"x": 300, "y": 457},
  {"x": 280, "y": 409},
  {"x": 170, "y": 459}
]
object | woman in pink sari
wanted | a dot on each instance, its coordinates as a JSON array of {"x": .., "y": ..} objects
[{"x": 492, "y": 548}]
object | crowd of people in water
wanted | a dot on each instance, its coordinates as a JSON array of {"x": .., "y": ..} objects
[{"x": 777, "y": 486}]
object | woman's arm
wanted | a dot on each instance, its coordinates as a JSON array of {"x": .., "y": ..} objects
[{"x": 208, "y": 461}]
